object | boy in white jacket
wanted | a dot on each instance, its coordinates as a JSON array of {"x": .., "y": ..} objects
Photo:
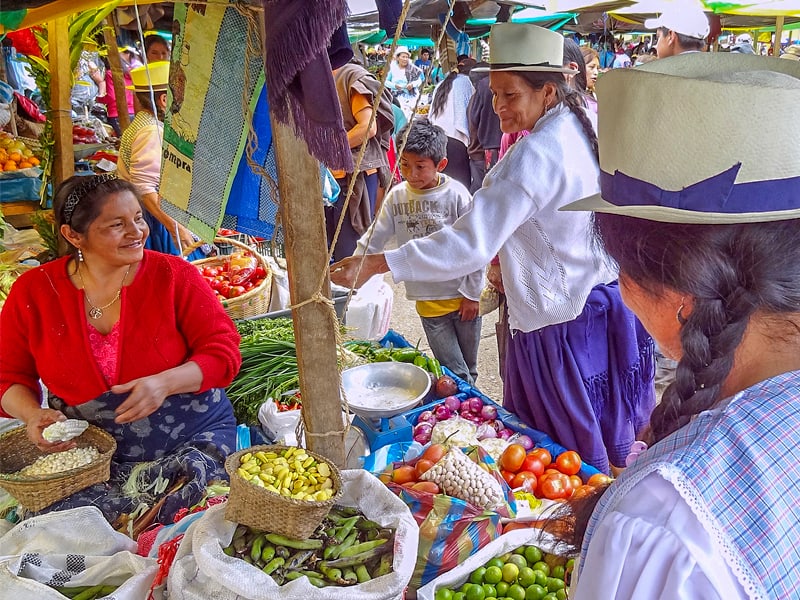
[{"x": 425, "y": 202}]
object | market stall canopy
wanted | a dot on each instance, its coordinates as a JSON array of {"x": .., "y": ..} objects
[
  {"x": 19, "y": 14},
  {"x": 733, "y": 15}
]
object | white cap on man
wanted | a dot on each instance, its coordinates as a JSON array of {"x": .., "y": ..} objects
[{"x": 685, "y": 18}]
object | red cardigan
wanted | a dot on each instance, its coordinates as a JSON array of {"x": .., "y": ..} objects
[{"x": 169, "y": 316}]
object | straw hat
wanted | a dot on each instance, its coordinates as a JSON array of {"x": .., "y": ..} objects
[
  {"x": 154, "y": 75},
  {"x": 686, "y": 18},
  {"x": 523, "y": 47},
  {"x": 791, "y": 53},
  {"x": 684, "y": 104}
]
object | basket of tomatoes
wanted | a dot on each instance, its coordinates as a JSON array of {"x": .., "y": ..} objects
[{"x": 241, "y": 280}]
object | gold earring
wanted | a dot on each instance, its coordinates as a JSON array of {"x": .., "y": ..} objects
[{"x": 679, "y": 314}]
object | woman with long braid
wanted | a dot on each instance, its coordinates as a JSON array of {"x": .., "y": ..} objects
[
  {"x": 709, "y": 259},
  {"x": 579, "y": 365}
]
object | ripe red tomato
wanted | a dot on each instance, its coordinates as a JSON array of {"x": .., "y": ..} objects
[
  {"x": 512, "y": 457},
  {"x": 554, "y": 488},
  {"x": 235, "y": 291},
  {"x": 435, "y": 452},
  {"x": 522, "y": 477},
  {"x": 542, "y": 454},
  {"x": 423, "y": 465},
  {"x": 259, "y": 273},
  {"x": 508, "y": 476},
  {"x": 225, "y": 289},
  {"x": 569, "y": 462},
  {"x": 425, "y": 486},
  {"x": 533, "y": 464},
  {"x": 404, "y": 474}
]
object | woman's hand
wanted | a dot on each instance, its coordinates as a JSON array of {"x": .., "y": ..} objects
[
  {"x": 346, "y": 271},
  {"x": 147, "y": 394},
  {"x": 495, "y": 277},
  {"x": 468, "y": 309},
  {"x": 38, "y": 422}
]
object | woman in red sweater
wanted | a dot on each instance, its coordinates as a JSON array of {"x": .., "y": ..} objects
[{"x": 130, "y": 340}]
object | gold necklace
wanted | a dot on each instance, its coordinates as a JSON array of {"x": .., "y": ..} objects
[{"x": 96, "y": 312}]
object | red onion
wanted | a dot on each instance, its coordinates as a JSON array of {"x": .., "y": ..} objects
[
  {"x": 505, "y": 433},
  {"x": 422, "y": 438},
  {"x": 442, "y": 413},
  {"x": 423, "y": 430},
  {"x": 453, "y": 403},
  {"x": 488, "y": 412},
  {"x": 426, "y": 416},
  {"x": 497, "y": 424},
  {"x": 485, "y": 431},
  {"x": 524, "y": 441},
  {"x": 475, "y": 404}
]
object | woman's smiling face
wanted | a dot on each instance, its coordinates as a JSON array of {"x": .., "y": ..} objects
[{"x": 517, "y": 104}]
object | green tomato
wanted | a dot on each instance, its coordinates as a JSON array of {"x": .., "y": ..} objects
[
  {"x": 554, "y": 584},
  {"x": 444, "y": 594},
  {"x": 550, "y": 596},
  {"x": 493, "y": 575},
  {"x": 516, "y": 592},
  {"x": 532, "y": 554},
  {"x": 519, "y": 560},
  {"x": 540, "y": 578},
  {"x": 475, "y": 592},
  {"x": 510, "y": 572},
  {"x": 489, "y": 591},
  {"x": 477, "y": 575},
  {"x": 558, "y": 572},
  {"x": 495, "y": 562},
  {"x": 527, "y": 577},
  {"x": 502, "y": 589},
  {"x": 535, "y": 592},
  {"x": 542, "y": 566},
  {"x": 458, "y": 596},
  {"x": 561, "y": 595},
  {"x": 520, "y": 550}
]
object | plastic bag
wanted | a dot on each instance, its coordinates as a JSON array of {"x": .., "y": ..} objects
[
  {"x": 242, "y": 267},
  {"x": 369, "y": 312},
  {"x": 279, "y": 426},
  {"x": 201, "y": 570},
  {"x": 489, "y": 300},
  {"x": 455, "y": 577},
  {"x": 279, "y": 298},
  {"x": 76, "y": 547}
]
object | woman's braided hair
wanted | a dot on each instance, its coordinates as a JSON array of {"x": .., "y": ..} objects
[
  {"x": 572, "y": 99},
  {"x": 730, "y": 272}
]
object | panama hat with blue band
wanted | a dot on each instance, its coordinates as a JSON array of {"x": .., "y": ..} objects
[{"x": 663, "y": 131}]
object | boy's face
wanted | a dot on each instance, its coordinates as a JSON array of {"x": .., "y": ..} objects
[{"x": 420, "y": 172}]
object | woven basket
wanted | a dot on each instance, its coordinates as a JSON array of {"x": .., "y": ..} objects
[
  {"x": 38, "y": 492},
  {"x": 264, "y": 510},
  {"x": 250, "y": 304}
]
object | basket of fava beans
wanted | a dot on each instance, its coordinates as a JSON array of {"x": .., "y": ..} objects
[
  {"x": 37, "y": 479},
  {"x": 281, "y": 489}
]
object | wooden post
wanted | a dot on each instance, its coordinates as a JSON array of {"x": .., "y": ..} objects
[
  {"x": 315, "y": 325},
  {"x": 60, "y": 107},
  {"x": 117, "y": 76},
  {"x": 776, "y": 44}
]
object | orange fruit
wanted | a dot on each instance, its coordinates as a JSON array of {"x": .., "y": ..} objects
[
  {"x": 10, "y": 165},
  {"x": 15, "y": 156},
  {"x": 34, "y": 161},
  {"x": 25, "y": 164}
]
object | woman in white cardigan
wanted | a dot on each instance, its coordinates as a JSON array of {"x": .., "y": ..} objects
[{"x": 579, "y": 365}]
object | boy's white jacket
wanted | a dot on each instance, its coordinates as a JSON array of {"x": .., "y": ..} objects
[{"x": 408, "y": 214}]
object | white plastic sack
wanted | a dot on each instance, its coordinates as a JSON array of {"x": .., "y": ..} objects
[
  {"x": 279, "y": 296},
  {"x": 75, "y": 546},
  {"x": 369, "y": 312},
  {"x": 499, "y": 546},
  {"x": 279, "y": 426},
  {"x": 202, "y": 571}
]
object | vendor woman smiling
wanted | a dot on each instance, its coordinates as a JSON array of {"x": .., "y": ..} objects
[{"x": 130, "y": 340}]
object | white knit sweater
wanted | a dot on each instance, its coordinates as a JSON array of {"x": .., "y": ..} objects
[
  {"x": 547, "y": 257},
  {"x": 408, "y": 214}
]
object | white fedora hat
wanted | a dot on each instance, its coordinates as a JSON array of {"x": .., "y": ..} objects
[
  {"x": 524, "y": 47},
  {"x": 686, "y": 18},
  {"x": 683, "y": 106}
]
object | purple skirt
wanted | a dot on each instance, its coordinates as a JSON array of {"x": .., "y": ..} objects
[{"x": 587, "y": 383}]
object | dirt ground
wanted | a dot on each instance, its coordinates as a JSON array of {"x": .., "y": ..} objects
[{"x": 405, "y": 321}]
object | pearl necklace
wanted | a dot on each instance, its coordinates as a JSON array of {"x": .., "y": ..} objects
[{"x": 96, "y": 312}]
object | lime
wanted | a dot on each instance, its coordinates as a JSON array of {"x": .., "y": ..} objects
[
  {"x": 554, "y": 584},
  {"x": 517, "y": 559},
  {"x": 526, "y": 577},
  {"x": 502, "y": 589},
  {"x": 493, "y": 575},
  {"x": 458, "y": 596},
  {"x": 516, "y": 592},
  {"x": 551, "y": 596},
  {"x": 444, "y": 594},
  {"x": 465, "y": 587},
  {"x": 542, "y": 566},
  {"x": 540, "y": 578},
  {"x": 489, "y": 591},
  {"x": 510, "y": 573},
  {"x": 532, "y": 554},
  {"x": 475, "y": 592},
  {"x": 561, "y": 595},
  {"x": 535, "y": 592},
  {"x": 520, "y": 550},
  {"x": 477, "y": 575},
  {"x": 495, "y": 562},
  {"x": 557, "y": 572}
]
